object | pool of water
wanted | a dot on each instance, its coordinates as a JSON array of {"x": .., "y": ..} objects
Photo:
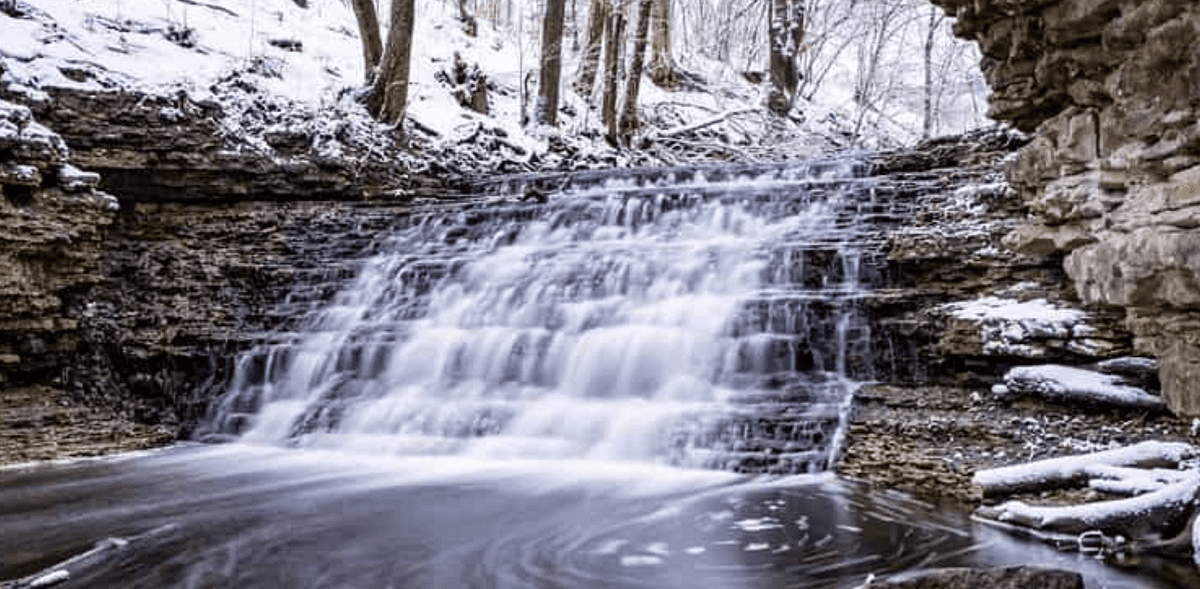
[{"x": 246, "y": 516}]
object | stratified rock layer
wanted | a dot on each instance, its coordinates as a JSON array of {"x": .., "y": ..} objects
[
  {"x": 1112, "y": 89},
  {"x": 51, "y": 233}
]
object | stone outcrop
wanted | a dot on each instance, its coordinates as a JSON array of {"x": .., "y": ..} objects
[
  {"x": 128, "y": 313},
  {"x": 1112, "y": 90},
  {"x": 51, "y": 231},
  {"x": 956, "y": 306},
  {"x": 155, "y": 147}
]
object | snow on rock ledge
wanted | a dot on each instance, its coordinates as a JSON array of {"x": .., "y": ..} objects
[
  {"x": 999, "y": 326},
  {"x": 1063, "y": 383}
]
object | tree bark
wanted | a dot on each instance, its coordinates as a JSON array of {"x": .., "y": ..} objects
[
  {"x": 614, "y": 36},
  {"x": 786, "y": 36},
  {"x": 597, "y": 19},
  {"x": 546, "y": 109},
  {"x": 934, "y": 21},
  {"x": 368, "y": 32},
  {"x": 662, "y": 64},
  {"x": 470, "y": 25},
  {"x": 389, "y": 94},
  {"x": 633, "y": 81}
]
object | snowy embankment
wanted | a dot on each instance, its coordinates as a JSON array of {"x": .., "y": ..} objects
[{"x": 286, "y": 74}]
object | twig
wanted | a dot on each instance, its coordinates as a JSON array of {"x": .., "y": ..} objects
[{"x": 703, "y": 123}]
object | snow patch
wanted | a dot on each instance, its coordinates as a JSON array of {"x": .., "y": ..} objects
[
  {"x": 1019, "y": 328},
  {"x": 1063, "y": 383}
]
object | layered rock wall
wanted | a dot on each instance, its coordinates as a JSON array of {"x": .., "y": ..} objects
[
  {"x": 1112, "y": 89},
  {"x": 52, "y": 220},
  {"x": 131, "y": 310}
]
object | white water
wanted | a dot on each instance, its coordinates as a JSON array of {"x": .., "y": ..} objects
[{"x": 618, "y": 323}]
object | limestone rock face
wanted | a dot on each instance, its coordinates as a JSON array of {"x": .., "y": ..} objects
[
  {"x": 1112, "y": 90},
  {"x": 51, "y": 229},
  {"x": 155, "y": 147}
]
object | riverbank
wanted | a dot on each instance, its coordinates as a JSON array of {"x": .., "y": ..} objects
[{"x": 930, "y": 440}]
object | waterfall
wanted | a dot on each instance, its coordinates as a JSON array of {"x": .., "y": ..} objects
[{"x": 701, "y": 318}]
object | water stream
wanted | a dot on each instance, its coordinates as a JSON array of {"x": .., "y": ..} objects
[{"x": 682, "y": 320}]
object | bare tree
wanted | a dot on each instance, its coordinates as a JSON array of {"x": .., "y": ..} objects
[
  {"x": 662, "y": 64},
  {"x": 597, "y": 18},
  {"x": 368, "y": 32},
  {"x": 546, "y": 109},
  {"x": 786, "y": 39},
  {"x": 935, "y": 19},
  {"x": 633, "y": 80},
  {"x": 470, "y": 26},
  {"x": 388, "y": 96},
  {"x": 614, "y": 37}
]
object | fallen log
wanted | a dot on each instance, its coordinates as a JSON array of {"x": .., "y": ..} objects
[
  {"x": 100, "y": 553},
  {"x": 1077, "y": 470},
  {"x": 1151, "y": 514}
]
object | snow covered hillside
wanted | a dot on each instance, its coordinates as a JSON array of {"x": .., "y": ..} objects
[{"x": 272, "y": 64}]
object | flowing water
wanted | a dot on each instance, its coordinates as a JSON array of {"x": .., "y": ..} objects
[
  {"x": 681, "y": 320},
  {"x": 583, "y": 392}
]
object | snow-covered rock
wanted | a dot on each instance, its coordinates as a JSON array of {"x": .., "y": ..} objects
[
  {"x": 1063, "y": 383},
  {"x": 1150, "y": 513},
  {"x": 1010, "y": 327}
]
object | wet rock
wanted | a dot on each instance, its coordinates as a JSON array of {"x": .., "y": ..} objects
[{"x": 1020, "y": 577}]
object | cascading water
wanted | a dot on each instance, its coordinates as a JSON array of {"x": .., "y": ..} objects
[{"x": 699, "y": 322}]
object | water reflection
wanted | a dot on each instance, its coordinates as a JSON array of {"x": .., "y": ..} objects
[{"x": 255, "y": 517}]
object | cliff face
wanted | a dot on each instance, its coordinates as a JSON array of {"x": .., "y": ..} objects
[
  {"x": 1112, "y": 89},
  {"x": 117, "y": 314},
  {"x": 51, "y": 232}
]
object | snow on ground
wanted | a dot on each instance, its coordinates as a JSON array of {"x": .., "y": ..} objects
[
  {"x": 171, "y": 44},
  {"x": 273, "y": 64}
]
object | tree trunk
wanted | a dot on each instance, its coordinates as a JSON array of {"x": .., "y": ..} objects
[
  {"x": 470, "y": 25},
  {"x": 597, "y": 19},
  {"x": 614, "y": 36},
  {"x": 934, "y": 21},
  {"x": 662, "y": 64},
  {"x": 546, "y": 110},
  {"x": 633, "y": 81},
  {"x": 389, "y": 94},
  {"x": 786, "y": 36},
  {"x": 368, "y": 32}
]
